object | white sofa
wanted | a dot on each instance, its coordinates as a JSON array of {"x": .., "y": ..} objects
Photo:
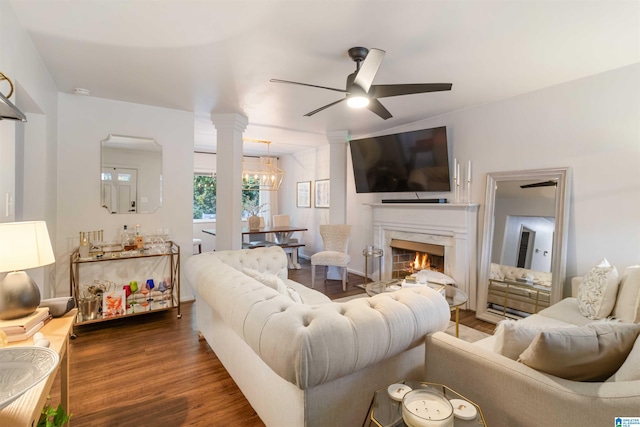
[
  {"x": 513, "y": 394},
  {"x": 315, "y": 363}
]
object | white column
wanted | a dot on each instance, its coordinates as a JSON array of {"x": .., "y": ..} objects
[
  {"x": 338, "y": 176},
  {"x": 338, "y": 185},
  {"x": 230, "y": 128}
]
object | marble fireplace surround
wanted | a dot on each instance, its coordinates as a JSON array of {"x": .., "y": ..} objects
[{"x": 454, "y": 226}]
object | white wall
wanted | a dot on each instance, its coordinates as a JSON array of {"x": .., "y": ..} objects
[
  {"x": 84, "y": 122},
  {"x": 589, "y": 125},
  {"x": 33, "y": 177},
  {"x": 310, "y": 165}
]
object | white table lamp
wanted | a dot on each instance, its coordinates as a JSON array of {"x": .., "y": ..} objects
[{"x": 23, "y": 245}]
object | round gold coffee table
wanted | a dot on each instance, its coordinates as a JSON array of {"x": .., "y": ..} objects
[{"x": 380, "y": 287}]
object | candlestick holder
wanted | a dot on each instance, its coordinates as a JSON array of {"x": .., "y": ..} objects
[{"x": 458, "y": 192}]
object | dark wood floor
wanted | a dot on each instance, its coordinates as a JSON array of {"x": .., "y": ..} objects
[{"x": 155, "y": 371}]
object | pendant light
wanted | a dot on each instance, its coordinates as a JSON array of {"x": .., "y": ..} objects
[{"x": 261, "y": 173}]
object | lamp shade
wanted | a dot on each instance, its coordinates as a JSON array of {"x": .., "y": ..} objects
[{"x": 24, "y": 245}]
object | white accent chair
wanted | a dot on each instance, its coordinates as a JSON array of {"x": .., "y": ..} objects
[
  {"x": 197, "y": 243},
  {"x": 292, "y": 253},
  {"x": 336, "y": 241}
]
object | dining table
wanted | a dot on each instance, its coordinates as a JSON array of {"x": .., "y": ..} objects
[{"x": 281, "y": 237}]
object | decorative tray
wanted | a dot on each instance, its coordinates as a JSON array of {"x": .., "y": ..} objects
[{"x": 22, "y": 368}]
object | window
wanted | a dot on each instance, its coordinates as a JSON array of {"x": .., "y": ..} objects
[{"x": 204, "y": 197}]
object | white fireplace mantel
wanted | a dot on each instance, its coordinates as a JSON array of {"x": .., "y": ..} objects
[{"x": 454, "y": 226}]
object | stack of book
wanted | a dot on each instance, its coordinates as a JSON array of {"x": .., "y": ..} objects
[{"x": 24, "y": 327}]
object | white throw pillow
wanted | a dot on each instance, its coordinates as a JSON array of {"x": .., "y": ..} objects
[
  {"x": 512, "y": 337},
  {"x": 587, "y": 353},
  {"x": 598, "y": 290},
  {"x": 627, "y": 306},
  {"x": 267, "y": 279},
  {"x": 426, "y": 275},
  {"x": 288, "y": 291}
]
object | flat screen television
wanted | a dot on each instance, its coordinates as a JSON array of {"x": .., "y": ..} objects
[{"x": 402, "y": 162}]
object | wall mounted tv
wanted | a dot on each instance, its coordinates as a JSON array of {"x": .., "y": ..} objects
[{"x": 402, "y": 162}]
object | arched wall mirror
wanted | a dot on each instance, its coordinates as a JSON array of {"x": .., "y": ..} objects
[
  {"x": 131, "y": 175},
  {"x": 523, "y": 261}
]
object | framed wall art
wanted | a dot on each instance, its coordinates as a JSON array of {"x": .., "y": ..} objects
[
  {"x": 303, "y": 194},
  {"x": 322, "y": 193}
]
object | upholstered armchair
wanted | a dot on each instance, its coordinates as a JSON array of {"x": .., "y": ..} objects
[{"x": 336, "y": 241}]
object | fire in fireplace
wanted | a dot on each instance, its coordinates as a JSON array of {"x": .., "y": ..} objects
[
  {"x": 410, "y": 257},
  {"x": 422, "y": 261}
]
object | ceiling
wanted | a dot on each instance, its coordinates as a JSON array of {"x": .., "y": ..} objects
[{"x": 218, "y": 56}]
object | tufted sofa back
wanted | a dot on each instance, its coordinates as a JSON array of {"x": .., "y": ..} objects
[
  {"x": 271, "y": 259},
  {"x": 308, "y": 345},
  {"x": 499, "y": 272}
]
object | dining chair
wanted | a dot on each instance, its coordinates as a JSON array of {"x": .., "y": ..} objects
[
  {"x": 197, "y": 243},
  {"x": 336, "y": 241},
  {"x": 281, "y": 221}
]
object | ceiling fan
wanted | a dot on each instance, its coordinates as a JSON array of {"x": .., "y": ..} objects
[
  {"x": 550, "y": 183},
  {"x": 360, "y": 92}
]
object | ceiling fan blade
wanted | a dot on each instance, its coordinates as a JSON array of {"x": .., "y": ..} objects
[
  {"x": 323, "y": 108},
  {"x": 367, "y": 72},
  {"x": 379, "y": 109},
  {"x": 381, "y": 91},
  {"x": 306, "y": 84},
  {"x": 541, "y": 184}
]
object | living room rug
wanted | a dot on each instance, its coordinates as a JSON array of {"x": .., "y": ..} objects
[{"x": 466, "y": 333}]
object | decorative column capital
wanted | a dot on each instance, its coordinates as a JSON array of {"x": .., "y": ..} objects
[
  {"x": 338, "y": 136},
  {"x": 228, "y": 121}
]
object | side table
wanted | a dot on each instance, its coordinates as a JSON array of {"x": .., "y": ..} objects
[
  {"x": 386, "y": 412},
  {"x": 372, "y": 252},
  {"x": 25, "y": 411},
  {"x": 457, "y": 299}
]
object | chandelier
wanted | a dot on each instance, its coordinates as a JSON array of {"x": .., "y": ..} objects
[{"x": 261, "y": 173}]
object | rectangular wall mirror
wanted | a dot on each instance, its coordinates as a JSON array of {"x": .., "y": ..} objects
[
  {"x": 131, "y": 175},
  {"x": 523, "y": 261}
]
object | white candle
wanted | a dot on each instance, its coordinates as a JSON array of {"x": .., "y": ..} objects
[
  {"x": 422, "y": 408},
  {"x": 458, "y": 173},
  {"x": 455, "y": 170},
  {"x": 469, "y": 172}
]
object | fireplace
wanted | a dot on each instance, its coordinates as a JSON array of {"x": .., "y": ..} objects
[
  {"x": 410, "y": 257},
  {"x": 452, "y": 228}
]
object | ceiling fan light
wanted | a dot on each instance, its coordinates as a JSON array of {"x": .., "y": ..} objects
[{"x": 357, "y": 101}]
